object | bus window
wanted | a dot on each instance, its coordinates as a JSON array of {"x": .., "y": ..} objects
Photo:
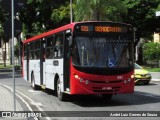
[
  {"x": 50, "y": 47},
  {"x": 58, "y": 45},
  {"x": 37, "y": 50},
  {"x": 31, "y": 50}
]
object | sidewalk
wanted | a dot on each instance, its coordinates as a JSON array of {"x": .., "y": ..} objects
[
  {"x": 7, "y": 103},
  {"x": 6, "y": 96},
  {"x": 155, "y": 76}
]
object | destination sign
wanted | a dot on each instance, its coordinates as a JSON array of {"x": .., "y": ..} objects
[
  {"x": 101, "y": 28},
  {"x": 107, "y": 29}
]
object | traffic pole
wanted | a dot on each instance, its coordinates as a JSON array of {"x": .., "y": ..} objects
[
  {"x": 71, "y": 13},
  {"x": 14, "y": 96}
]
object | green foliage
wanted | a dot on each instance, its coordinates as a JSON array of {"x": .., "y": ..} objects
[
  {"x": 61, "y": 14},
  {"x": 141, "y": 14},
  {"x": 2, "y": 20},
  {"x": 153, "y": 69},
  {"x": 43, "y": 15},
  {"x": 38, "y": 16},
  {"x": 151, "y": 51},
  {"x": 99, "y": 10},
  {"x": 3, "y": 15},
  {"x": 16, "y": 50}
]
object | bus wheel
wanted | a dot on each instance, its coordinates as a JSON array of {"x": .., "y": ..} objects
[
  {"x": 60, "y": 94},
  {"x": 34, "y": 86},
  {"x": 107, "y": 96}
]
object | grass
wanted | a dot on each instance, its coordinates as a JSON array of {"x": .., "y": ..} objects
[
  {"x": 153, "y": 69},
  {"x": 7, "y": 66}
]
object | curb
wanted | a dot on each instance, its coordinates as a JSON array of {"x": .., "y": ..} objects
[
  {"x": 6, "y": 70},
  {"x": 9, "y": 70},
  {"x": 157, "y": 80}
]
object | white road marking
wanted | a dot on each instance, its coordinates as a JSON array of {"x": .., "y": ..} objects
[
  {"x": 31, "y": 101},
  {"x": 21, "y": 99},
  {"x": 34, "y": 92},
  {"x": 36, "y": 104},
  {"x": 154, "y": 79}
]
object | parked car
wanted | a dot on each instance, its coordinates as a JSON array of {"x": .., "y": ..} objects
[{"x": 141, "y": 75}]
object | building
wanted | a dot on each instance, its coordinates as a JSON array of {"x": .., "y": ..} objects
[
  {"x": 5, "y": 51},
  {"x": 156, "y": 37}
]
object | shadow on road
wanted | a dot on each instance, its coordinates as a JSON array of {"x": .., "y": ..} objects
[
  {"x": 137, "y": 98},
  {"x": 150, "y": 84},
  {"x": 117, "y": 100}
]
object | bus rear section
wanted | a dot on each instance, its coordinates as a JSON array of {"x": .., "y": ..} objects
[{"x": 102, "y": 59}]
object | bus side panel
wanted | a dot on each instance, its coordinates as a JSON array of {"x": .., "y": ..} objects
[
  {"x": 49, "y": 74},
  {"x": 59, "y": 71},
  {"x": 53, "y": 67},
  {"x": 35, "y": 68}
]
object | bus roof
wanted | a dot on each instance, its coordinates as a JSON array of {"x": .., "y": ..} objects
[
  {"x": 42, "y": 35},
  {"x": 68, "y": 26}
]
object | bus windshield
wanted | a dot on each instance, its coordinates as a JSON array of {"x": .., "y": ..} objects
[{"x": 102, "y": 52}]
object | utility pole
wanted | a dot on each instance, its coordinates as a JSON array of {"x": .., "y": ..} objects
[
  {"x": 14, "y": 96},
  {"x": 71, "y": 13}
]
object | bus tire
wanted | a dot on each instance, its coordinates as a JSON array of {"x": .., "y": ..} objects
[
  {"x": 61, "y": 96},
  {"x": 34, "y": 86},
  {"x": 107, "y": 96}
]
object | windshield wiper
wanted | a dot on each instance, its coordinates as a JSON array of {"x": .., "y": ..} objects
[{"x": 117, "y": 44}]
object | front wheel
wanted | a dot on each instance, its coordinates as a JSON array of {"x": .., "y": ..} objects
[{"x": 61, "y": 96}]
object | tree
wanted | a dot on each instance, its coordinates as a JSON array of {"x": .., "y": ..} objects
[
  {"x": 141, "y": 14},
  {"x": 98, "y": 10},
  {"x": 3, "y": 18},
  {"x": 61, "y": 15},
  {"x": 39, "y": 16},
  {"x": 151, "y": 51}
]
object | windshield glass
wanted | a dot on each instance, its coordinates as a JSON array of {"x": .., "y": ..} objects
[
  {"x": 136, "y": 66},
  {"x": 102, "y": 52}
]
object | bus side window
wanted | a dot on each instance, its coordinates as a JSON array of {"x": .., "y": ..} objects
[
  {"x": 37, "y": 49},
  {"x": 31, "y": 50},
  {"x": 58, "y": 45},
  {"x": 50, "y": 45}
]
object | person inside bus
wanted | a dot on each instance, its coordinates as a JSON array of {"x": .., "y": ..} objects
[{"x": 57, "y": 50}]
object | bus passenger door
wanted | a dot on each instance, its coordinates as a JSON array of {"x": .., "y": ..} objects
[
  {"x": 67, "y": 61},
  {"x": 42, "y": 62}
]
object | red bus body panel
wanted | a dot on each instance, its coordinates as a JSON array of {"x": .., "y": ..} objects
[{"x": 100, "y": 84}]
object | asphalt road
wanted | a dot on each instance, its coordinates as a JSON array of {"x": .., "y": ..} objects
[{"x": 145, "y": 98}]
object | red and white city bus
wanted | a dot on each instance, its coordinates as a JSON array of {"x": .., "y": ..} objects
[{"x": 82, "y": 58}]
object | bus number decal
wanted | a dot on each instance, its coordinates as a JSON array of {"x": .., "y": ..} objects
[{"x": 84, "y": 28}]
